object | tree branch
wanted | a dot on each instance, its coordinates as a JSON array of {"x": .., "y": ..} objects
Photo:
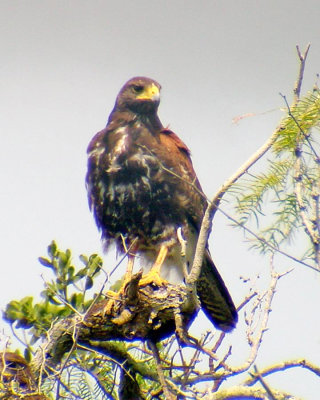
[
  {"x": 283, "y": 366},
  {"x": 153, "y": 315},
  {"x": 242, "y": 392},
  {"x": 167, "y": 394}
]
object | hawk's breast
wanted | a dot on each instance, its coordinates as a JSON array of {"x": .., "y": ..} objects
[{"x": 137, "y": 197}]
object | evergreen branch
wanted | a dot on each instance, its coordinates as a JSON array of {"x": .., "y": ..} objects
[
  {"x": 301, "y": 130},
  {"x": 250, "y": 202},
  {"x": 301, "y": 118}
]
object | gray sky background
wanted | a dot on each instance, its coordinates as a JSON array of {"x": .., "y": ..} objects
[{"x": 62, "y": 65}]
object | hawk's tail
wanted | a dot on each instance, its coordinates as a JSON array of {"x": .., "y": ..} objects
[{"x": 215, "y": 299}]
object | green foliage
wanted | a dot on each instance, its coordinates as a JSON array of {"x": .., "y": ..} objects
[
  {"x": 67, "y": 277},
  {"x": 65, "y": 294},
  {"x": 92, "y": 375},
  {"x": 252, "y": 192},
  {"x": 303, "y": 118},
  {"x": 88, "y": 376},
  {"x": 285, "y": 195}
]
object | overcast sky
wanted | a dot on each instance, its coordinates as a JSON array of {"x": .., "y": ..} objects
[{"x": 62, "y": 65}]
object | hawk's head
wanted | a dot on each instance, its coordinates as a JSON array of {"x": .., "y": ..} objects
[{"x": 140, "y": 95}]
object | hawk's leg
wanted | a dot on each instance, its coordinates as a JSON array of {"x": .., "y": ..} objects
[{"x": 153, "y": 276}]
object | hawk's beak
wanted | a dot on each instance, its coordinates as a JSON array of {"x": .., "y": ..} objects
[{"x": 151, "y": 92}]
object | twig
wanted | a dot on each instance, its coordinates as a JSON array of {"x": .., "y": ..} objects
[
  {"x": 264, "y": 384},
  {"x": 256, "y": 341},
  {"x": 194, "y": 358},
  {"x": 302, "y": 58},
  {"x": 246, "y": 300},
  {"x": 221, "y": 338},
  {"x": 75, "y": 334},
  {"x": 42, "y": 366},
  {"x": 24, "y": 344},
  {"x": 63, "y": 301},
  {"x": 67, "y": 389},
  {"x": 123, "y": 257},
  {"x": 107, "y": 278},
  {"x": 167, "y": 394}
]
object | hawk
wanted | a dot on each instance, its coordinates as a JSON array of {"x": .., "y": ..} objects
[{"x": 147, "y": 200}]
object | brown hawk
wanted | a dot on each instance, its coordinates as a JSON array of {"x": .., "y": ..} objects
[{"x": 146, "y": 197}]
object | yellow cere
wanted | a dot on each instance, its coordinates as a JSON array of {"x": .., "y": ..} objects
[{"x": 150, "y": 92}]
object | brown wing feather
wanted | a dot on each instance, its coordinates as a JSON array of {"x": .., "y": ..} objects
[
  {"x": 214, "y": 296},
  {"x": 177, "y": 157}
]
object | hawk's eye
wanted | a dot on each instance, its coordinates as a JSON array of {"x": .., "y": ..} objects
[{"x": 138, "y": 88}]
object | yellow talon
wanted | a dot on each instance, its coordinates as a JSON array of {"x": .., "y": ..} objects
[{"x": 152, "y": 277}]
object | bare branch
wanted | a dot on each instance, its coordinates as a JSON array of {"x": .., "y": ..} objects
[
  {"x": 302, "y": 58},
  {"x": 255, "y": 341},
  {"x": 283, "y": 366},
  {"x": 242, "y": 392},
  {"x": 264, "y": 384}
]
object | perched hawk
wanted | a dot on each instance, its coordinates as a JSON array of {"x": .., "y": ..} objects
[{"x": 146, "y": 197}]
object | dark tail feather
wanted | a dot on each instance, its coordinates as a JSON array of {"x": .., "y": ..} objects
[{"x": 215, "y": 299}]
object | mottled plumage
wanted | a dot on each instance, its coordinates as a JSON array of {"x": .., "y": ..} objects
[{"x": 142, "y": 188}]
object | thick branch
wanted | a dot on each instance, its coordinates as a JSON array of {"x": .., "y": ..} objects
[
  {"x": 151, "y": 316},
  {"x": 111, "y": 349}
]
